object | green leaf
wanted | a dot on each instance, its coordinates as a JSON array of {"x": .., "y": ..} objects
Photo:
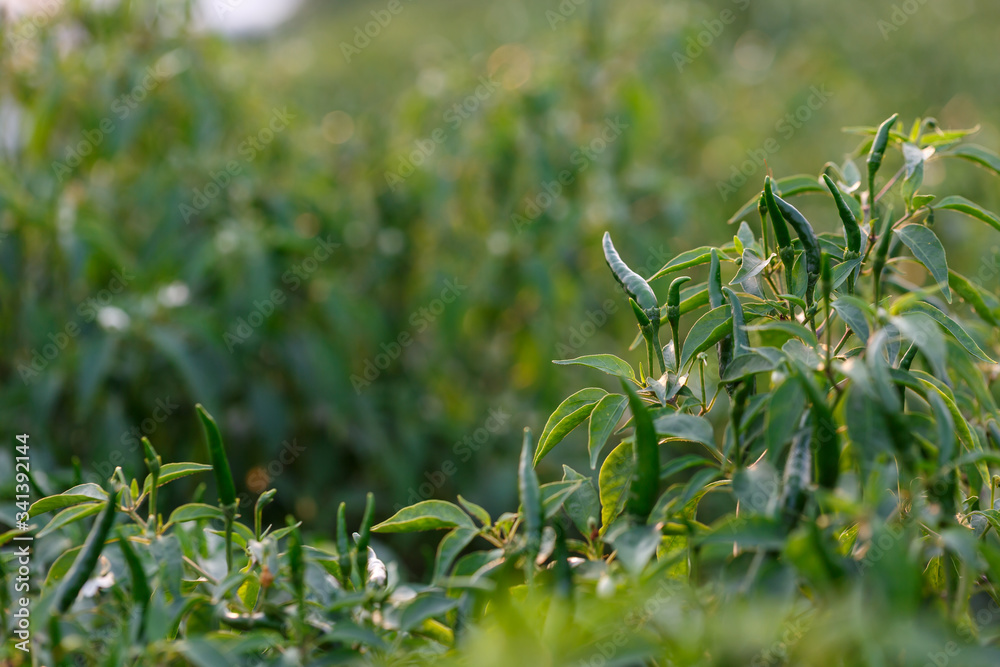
[
  {"x": 680, "y": 426},
  {"x": 584, "y": 503},
  {"x": 853, "y": 313},
  {"x": 475, "y": 510},
  {"x": 715, "y": 325},
  {"x": 687, "y": 259},
  {"x": 927, "y": 248},
  {"x": 567, "y": 417},
  {"x": 950, "y": 325},
  {"x": 424, "y": 607},
  {"x": 82, "y": 493},
  {"x": 973, "y": 295},
  {"x": 963, "y": 205},
  {"x": 426, "y": 515},
  {"x": 785, "y": 407},
  {"x": 746, "y": 364},
  {"x": 785, "y": 326},
  {"x": 635, "y": 545},
  {"x": 555, "y": 494},
  {"x": 646, "y": 482},
  {"x": 195, "y": 512},
  {"x": 843, "y": 270},
  {"x": 976, "y": 154},
  {"x": 613, "y": 481},
  {"x": 606, "y": 415},
  {"x": 607, "y": 363},
  {"x": 172, "y": 471},
  {"x": 450, "y": 547},
  {"x": 750, "y": 266},
  {"x": 68, "y": 516}
]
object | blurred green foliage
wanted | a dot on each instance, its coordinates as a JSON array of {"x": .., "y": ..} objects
[{"x": 115, "y": 123}]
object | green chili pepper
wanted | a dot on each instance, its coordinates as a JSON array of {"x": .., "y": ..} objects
[
  {"x": 762, "y": 212},
  {"x": 343, "y": 546},
  {"x": 633, "y": 284},
  {"x": 715, "y": 281},
  {"x": 263, "y": 501},
  {"x": 877, "y": 152},
  {"x": 824, "y": 435},
  {"x": 881, "y": 256},
  {"x": 715, "y": 297},
  {"x": 141, "y": 593},
  {"x": 217, "y": 454},
  {"x": 643, "y": 301},
  {"x": 223, "y": 478},
  {"x": 89, "y": 554},
  {"x": 741, "y": 339},
  {"x": 810, "y": 245},
  {"x": 153, "y": 463},
  {"x": 852, "y": 232},
  {"x": 646, "y": 452},
  {"x": 826, "y": 276},
  {"x": 781, "y": 236},
  {"x": 364, "y": 537},
  {"x": 531, "y": 499},
  {"x": 297, "y": 568},
  {"x": 798, "y": 473},
  {"x": 674, "y": 314}
]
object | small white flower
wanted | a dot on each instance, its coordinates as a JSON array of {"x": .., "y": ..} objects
[
  {"x": 113, "y": 318},
  {"x": 173, "y": 295}
]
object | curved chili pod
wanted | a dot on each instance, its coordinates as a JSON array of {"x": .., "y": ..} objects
[
  {"x": 633, "y": 284},
  {"x": 725, "y": 346},
  {"x": 343, "y": 546},
  {"x": 674, "y": 314},
  {"x": 881, "y": 255},
  {"x": 715, "y": 281},
  {"x": 797, "y": 475},
  {"x": 877, "y": 152},
  {"x": 740, "y": 338},
  {"x": 826, "y": 277},
  {"x": 646, "y": 481},
  {"x": 217, "y": 454},
  {"x": 530, "y": 496},
  {"x": 89, "y": 554},
  {"x": 141, "y": 593},
  {"x": 852, "y": 232},
  {"x": 810, "y": 245},
  {"x": 781, "y": 235}
]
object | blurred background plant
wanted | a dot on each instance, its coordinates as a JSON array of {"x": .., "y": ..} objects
[{"x": 360, "y": 235}]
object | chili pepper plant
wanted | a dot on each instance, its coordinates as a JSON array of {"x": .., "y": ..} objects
[{"x": 801, "y": 472}]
